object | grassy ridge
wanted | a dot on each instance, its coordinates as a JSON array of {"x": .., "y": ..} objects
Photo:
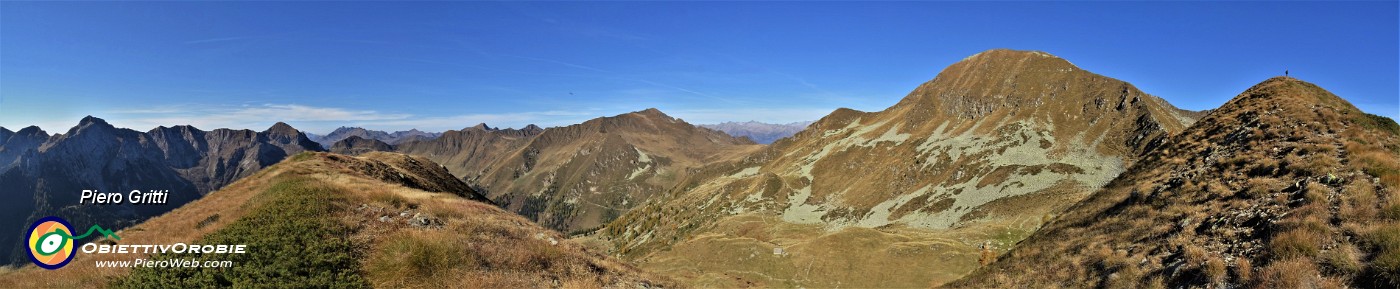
[{"x": 293, "y": 240}]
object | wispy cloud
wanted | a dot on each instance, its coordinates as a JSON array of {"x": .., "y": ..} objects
[
  {"x": 324, "y": 119},
  {"x": 568, "y": 64},
  {"x": 246, "y": 116},
  {"x": 514, "y": 119}
]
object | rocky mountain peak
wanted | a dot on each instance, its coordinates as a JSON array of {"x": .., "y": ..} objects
[
  {"x": 32, "y": 131},
  {"x": 282, "y": 128},
  {"x": 482, "y": 126},
  {"x": 92, "y": 120}
]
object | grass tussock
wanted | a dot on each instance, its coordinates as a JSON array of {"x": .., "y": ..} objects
[{"x": 490, "y": 251}]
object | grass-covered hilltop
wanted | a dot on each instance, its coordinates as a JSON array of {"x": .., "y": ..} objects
[{"x": 324, "y": 220}]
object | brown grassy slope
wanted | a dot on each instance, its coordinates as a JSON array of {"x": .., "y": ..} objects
[
  {"x": 1285, "y": 186},
  {"x": 465, "y": 152},
  {"x": 382, "y": 201},
  {"x": 579, "y": 177},
  {"x": 981, "y": 153}
]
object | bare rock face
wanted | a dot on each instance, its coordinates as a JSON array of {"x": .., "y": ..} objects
[
  {"x": 1286, "y": 185},
  {"x": 45, "y": 175},
  {"x": 13, "y": 145},
  {"x": 996, "y": 141}
]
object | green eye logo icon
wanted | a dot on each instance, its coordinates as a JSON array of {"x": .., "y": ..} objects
[{"x": 51, "y": 241}]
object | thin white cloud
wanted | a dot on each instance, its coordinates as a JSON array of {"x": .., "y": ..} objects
[
  {"x": 325, "y": 119},
  {"x": 248, "y": 116},
  {"x": 579, "y": 66},
  {"x": 514, "y": 120},
  {"x": 322, "y": 120}
]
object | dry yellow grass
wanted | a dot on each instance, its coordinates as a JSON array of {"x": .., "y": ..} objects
[
  {"x": 476, "y": 245},
  {"x": 1287, "y": 184}
]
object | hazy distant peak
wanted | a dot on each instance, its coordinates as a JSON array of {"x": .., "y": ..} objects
[{"x": 759, "y": 132}]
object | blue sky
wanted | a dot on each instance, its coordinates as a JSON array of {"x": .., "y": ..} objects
[{"x": 438, "y": 66}]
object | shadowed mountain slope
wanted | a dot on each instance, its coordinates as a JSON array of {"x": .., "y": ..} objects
[
  {"x": 1284, "y": 186},
  {"x": 47, "y": 179}
]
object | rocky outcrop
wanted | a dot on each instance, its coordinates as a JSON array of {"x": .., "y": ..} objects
[{"x": 13, "y": 145}]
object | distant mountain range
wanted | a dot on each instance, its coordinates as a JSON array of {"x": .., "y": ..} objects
[
  {"x": 43, "y": 175},
  {"x": 341, "y": 133},
  {"x": 1009, "y": 169},
  {"x": 763, "y": 133}
]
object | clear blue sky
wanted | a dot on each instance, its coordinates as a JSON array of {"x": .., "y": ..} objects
[{"x": 438, "y": 66}]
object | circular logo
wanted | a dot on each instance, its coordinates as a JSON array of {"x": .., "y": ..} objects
[{"x": 50, "y": 242}]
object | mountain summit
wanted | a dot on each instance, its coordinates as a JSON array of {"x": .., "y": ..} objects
[
  {"x": 981, "y": 153},
  {"x": 1284, "y": 186}
]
